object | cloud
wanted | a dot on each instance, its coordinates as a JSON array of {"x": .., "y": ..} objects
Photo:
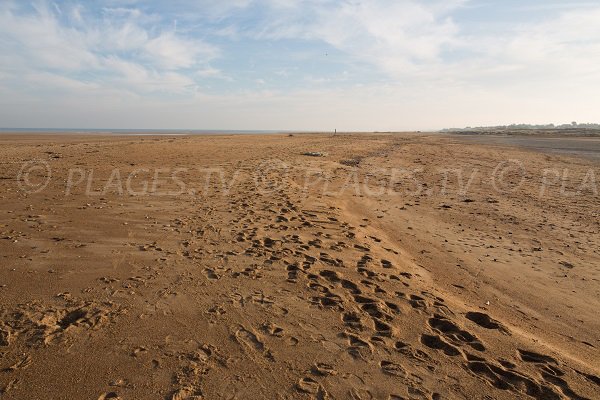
[
  {"x": 40, "y": 39},
  {"x": 390, "y": 64},
  {"x": 395, "y": 35},
  {"x": 171, "y": 52},
  {"x": 558, "y": 52},
  {"x": 124, "y": 46},
  {"x": 421, "y": 41},
  {"x": 572, "y": 39}
]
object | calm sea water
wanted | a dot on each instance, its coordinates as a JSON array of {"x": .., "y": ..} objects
[
  {"x": 588, "y": 147},
  {"x": 139, "y": 132}
]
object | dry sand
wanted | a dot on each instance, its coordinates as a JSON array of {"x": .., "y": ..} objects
[{"x": 234, "y": 267}]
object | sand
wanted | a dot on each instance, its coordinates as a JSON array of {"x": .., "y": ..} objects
[{"x": 235, "y": 267}]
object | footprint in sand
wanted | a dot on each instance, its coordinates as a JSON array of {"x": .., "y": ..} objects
[
  {"x": 549, "y": 387},
  {"x": 12, "y": 384},
  {"x": 350, "y": 286},
  {"x": 186, "y": 394},
  {"x": 485, "y": 321},
  {"x": 437, "y": 343},
  {"x": 309, "y": 385},
  {"x": 532, "y": 357},
  {"x": 453, "y": 332},
  {"x": 273, "y": 329},
  {"x": 407, "y": 350},
  {"x": 352, "y": 319},
  {"x": 382, "y": 328},
  {"x": 323, "y": 369},
  {"x": 21, "y": 364},
  {"x": 211, "y": 274},
  {"x": 252, "y": 341},
  {"x": 109, "y": 396},
  {"x": 392, "y": 368},
  {"x": 331, "y": 276},
  {"x": 358, "y": 347}
]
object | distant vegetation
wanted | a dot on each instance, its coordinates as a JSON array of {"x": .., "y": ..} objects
[{"x": 519, "y": 127}]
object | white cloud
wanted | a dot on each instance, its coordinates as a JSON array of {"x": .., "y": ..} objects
[
  {"x": 430, "y": 71},
  {"x": 40, "y": 40},
  {"x": 108, "y": 37},
  {"x": 118, "y": 48},
  {"x": 417, "y": 40},
  {"x": 395, "y": 35},
  {"x": 58, "y": 82},
  {"x": 145, "y": 80},
  {"x": 555, "y": 54},
  {"x": 573, "y": 39},
  {"x": 172, "y": 52}
]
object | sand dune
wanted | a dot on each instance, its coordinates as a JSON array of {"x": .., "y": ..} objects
[{"x": 235, "y": 267}]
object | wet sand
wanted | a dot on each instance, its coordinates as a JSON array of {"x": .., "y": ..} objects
[
  {"x": 588, "y": 147},
  {"x": 393, "y": 267}
]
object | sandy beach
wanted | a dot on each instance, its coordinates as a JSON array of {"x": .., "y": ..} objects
[{"x": 380, "y": 266}]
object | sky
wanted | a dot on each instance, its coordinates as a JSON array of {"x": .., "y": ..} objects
[{"x": 319, "y": 65}]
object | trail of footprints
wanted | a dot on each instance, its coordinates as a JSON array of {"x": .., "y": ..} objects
[
  {"x": 368, "y": 297},
  {"x": 344, "y": 273},
  {"x": 311, "y": 249}
]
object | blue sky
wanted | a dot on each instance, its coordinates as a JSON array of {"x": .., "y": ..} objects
[{"x": 303, "y": 64}]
